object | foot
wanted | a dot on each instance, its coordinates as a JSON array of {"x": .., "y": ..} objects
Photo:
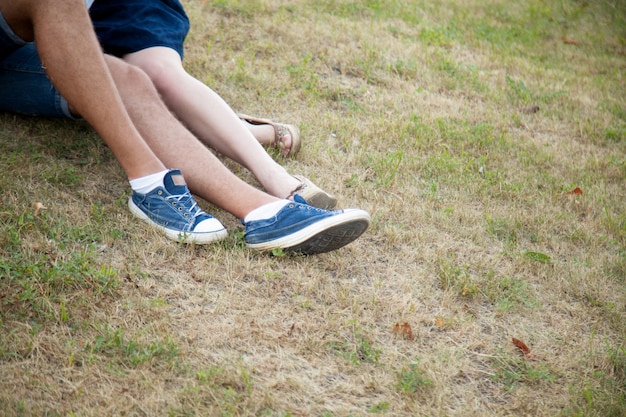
[
  {"x": 286, "y": 138},
  {"x": 301, "y": 228},
  {"x": 173, "y": 210},
  {"x": 313, "y": 195},
  {"x": 273, "y": 134}
]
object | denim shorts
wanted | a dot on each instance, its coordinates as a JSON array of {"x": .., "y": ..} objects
[{"x": 26, "y": 89}]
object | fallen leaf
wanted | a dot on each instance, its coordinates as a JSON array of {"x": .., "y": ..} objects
[
  {"x": 570, "y": 41},
  {"x": 38, "y": 207},
  {"x": 521, "y": 346},
  {"x": 439, "y": 322},
  {"x": 403, "y": 330},
  {"x": 531, "y": 109},
  {"x": 576, "y": 191}
]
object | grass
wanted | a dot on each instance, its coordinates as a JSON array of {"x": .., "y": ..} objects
[{"x": 464, "y": 128}]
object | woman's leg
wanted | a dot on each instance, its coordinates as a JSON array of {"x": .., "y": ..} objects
[{"x": 210, "y": 118}]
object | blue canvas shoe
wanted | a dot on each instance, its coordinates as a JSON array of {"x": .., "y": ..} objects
[
  {"x": 173, "y": 210},
  {"x": 302, "y": 228}
]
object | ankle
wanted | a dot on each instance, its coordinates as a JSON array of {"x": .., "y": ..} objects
[
  {"x": 281, "y": 184},
  {"x": 145, "y": 184},
  {"x": 264, "y": 133}
]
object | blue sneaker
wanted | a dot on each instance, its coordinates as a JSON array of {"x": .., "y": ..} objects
[
  {"x": 302, "y": 228},
  {"x": 173, "y": 210}
]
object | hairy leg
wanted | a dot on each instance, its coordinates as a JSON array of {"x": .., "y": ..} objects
[
  {"x": 72, "y": 58},
  {"x": 211, "y": 118}
]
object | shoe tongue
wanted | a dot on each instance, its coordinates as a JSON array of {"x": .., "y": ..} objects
[
  {"x": 174, "y": 182},
  {"x": 298, "y": 199}
]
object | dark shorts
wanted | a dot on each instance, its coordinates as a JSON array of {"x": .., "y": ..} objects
[{"x": 126, "y": 26}]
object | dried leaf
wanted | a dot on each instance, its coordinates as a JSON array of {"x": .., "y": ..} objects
[
  {"x": 531, "y": 109},
  {"x": 403, "y": 330},
  {"x": 521, "y": 346},
  {"x": 576, "y": 191},
  {"x": 570, "y": 41},
  {"x": 439, "y": 322},
  {"x": 38, "y": 207}
]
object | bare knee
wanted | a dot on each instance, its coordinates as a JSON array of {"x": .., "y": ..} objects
[
  {"x": 163, "y": 66},
  {"x": 128, "y": 77},
  {"x": 165, "y": 76}
]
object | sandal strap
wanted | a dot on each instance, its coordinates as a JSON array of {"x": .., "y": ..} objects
[{"x": 280, "y": 130}]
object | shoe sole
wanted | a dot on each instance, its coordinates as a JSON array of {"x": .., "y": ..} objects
[
  {"x": 197, "y": 238},
  {"x": 324, "y": 236}
]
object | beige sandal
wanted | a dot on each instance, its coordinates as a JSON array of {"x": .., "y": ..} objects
[
  {"x": 313, "y": 195},
  {"x": 280, "y": 131}
]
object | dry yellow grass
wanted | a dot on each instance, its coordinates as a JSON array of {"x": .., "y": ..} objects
[{"x": 461, "y": 127}]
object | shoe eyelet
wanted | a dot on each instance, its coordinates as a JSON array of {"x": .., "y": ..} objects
[
  {"x": 180, "y": 209},
  {"x": 291, "y": 205},
  {"x": 160, "y": 192}
]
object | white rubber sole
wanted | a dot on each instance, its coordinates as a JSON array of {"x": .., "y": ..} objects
[{"x": 215, "y": 233}]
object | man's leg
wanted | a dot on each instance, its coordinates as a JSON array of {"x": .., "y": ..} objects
[{"x": 74, "y": 62}]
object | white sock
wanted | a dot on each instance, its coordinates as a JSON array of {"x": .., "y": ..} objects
[
  {"x": 266, "y": 211},
  {"x": 144, "y": 185}
]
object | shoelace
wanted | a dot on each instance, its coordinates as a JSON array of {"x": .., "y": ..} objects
[
  {"x": 294, "y": 204},
  {"x": 183, "y": 200}
]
